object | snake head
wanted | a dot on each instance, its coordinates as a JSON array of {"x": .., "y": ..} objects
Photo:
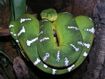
[{"x": 49, "y": 14}]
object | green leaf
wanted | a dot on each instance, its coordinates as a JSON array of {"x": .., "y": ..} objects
[{"x": 18, "y": 8}]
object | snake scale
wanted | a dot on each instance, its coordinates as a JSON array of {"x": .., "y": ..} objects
[{"x": 56, "y": 44}]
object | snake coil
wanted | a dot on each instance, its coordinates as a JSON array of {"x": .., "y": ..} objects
[{"x": 56, "y": 44}]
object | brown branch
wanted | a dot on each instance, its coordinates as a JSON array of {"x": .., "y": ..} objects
[
  {"x": 96, "y": 65},
  {"x": 4, "y": 32}
]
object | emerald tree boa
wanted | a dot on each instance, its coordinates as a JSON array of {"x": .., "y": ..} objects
[{"x": 56, "y": 44}]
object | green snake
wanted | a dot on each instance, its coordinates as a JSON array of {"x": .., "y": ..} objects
[{"x": 56, "y": 44}]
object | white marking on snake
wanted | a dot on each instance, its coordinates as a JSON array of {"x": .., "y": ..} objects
[
  {"x": 29, "y": 42},
  {"x": 37, "y": 61},
  {"x": 14, "y": 34},
  {"x": 44, "y": 39},
  {"x": 80, "y": 43},
  {"x": 58, "y": 56},
  {"x": 11, "y": 33},
  {"x": 90, "y": 19},
  {"x": 54, "y": 71},
  {"x": 21, "y": 31},
  {"x": 47, "y": 55},
  {"x": 87, "y": 45},
  {"x": 92, "y": 30},
  {"x": 70, "y": 68},
  {"x": 24, "y": 19},
  {"x": 85, "y": 54},
  {"x": 66, "y": 61},
  {"x": 41, "y": 33},
  {"x": 72, "y": 27},
  {"x": 17, "y": 41},
  {"x": 45, "y": 66},
  {"x": 75, "y": 48},
  {"x": 10, "y": 26}
]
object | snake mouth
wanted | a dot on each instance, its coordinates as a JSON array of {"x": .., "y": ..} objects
[{"x": 56, "y": 37}]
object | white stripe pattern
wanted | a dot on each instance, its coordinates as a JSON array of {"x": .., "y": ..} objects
[
  {"x": 72, "y": 27},
  {"x": 47, "y": 55},
  {"x": 66, "y": 61},
  {"x": 54, "y": 71},
  {"x": 58, "y": 56},
  {"x": 75, "y": 48},
  {"x": 70, "y": 68},
  {"x": 44, "y": 39},
  {"x": 29, "y": 42},
  {"x": 37, "y": 61},
  {"x": 85, "y": 54},
  {"x": 87, "y": 45},
  {"x": 10, "y": 26},
  {"x": 21, "y": 31},
  {"x": 92, "y": 30},
  {"x": 24, "y": 19},
  {"x": 45, "y": 66}
]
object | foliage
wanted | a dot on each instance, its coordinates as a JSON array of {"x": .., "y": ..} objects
[{"x": 18, "y": 8}]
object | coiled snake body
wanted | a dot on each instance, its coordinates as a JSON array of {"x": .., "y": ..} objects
[{"x": 58, "y": 43}]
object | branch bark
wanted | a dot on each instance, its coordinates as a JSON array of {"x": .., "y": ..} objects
[{"x": 95, "y": 69}]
